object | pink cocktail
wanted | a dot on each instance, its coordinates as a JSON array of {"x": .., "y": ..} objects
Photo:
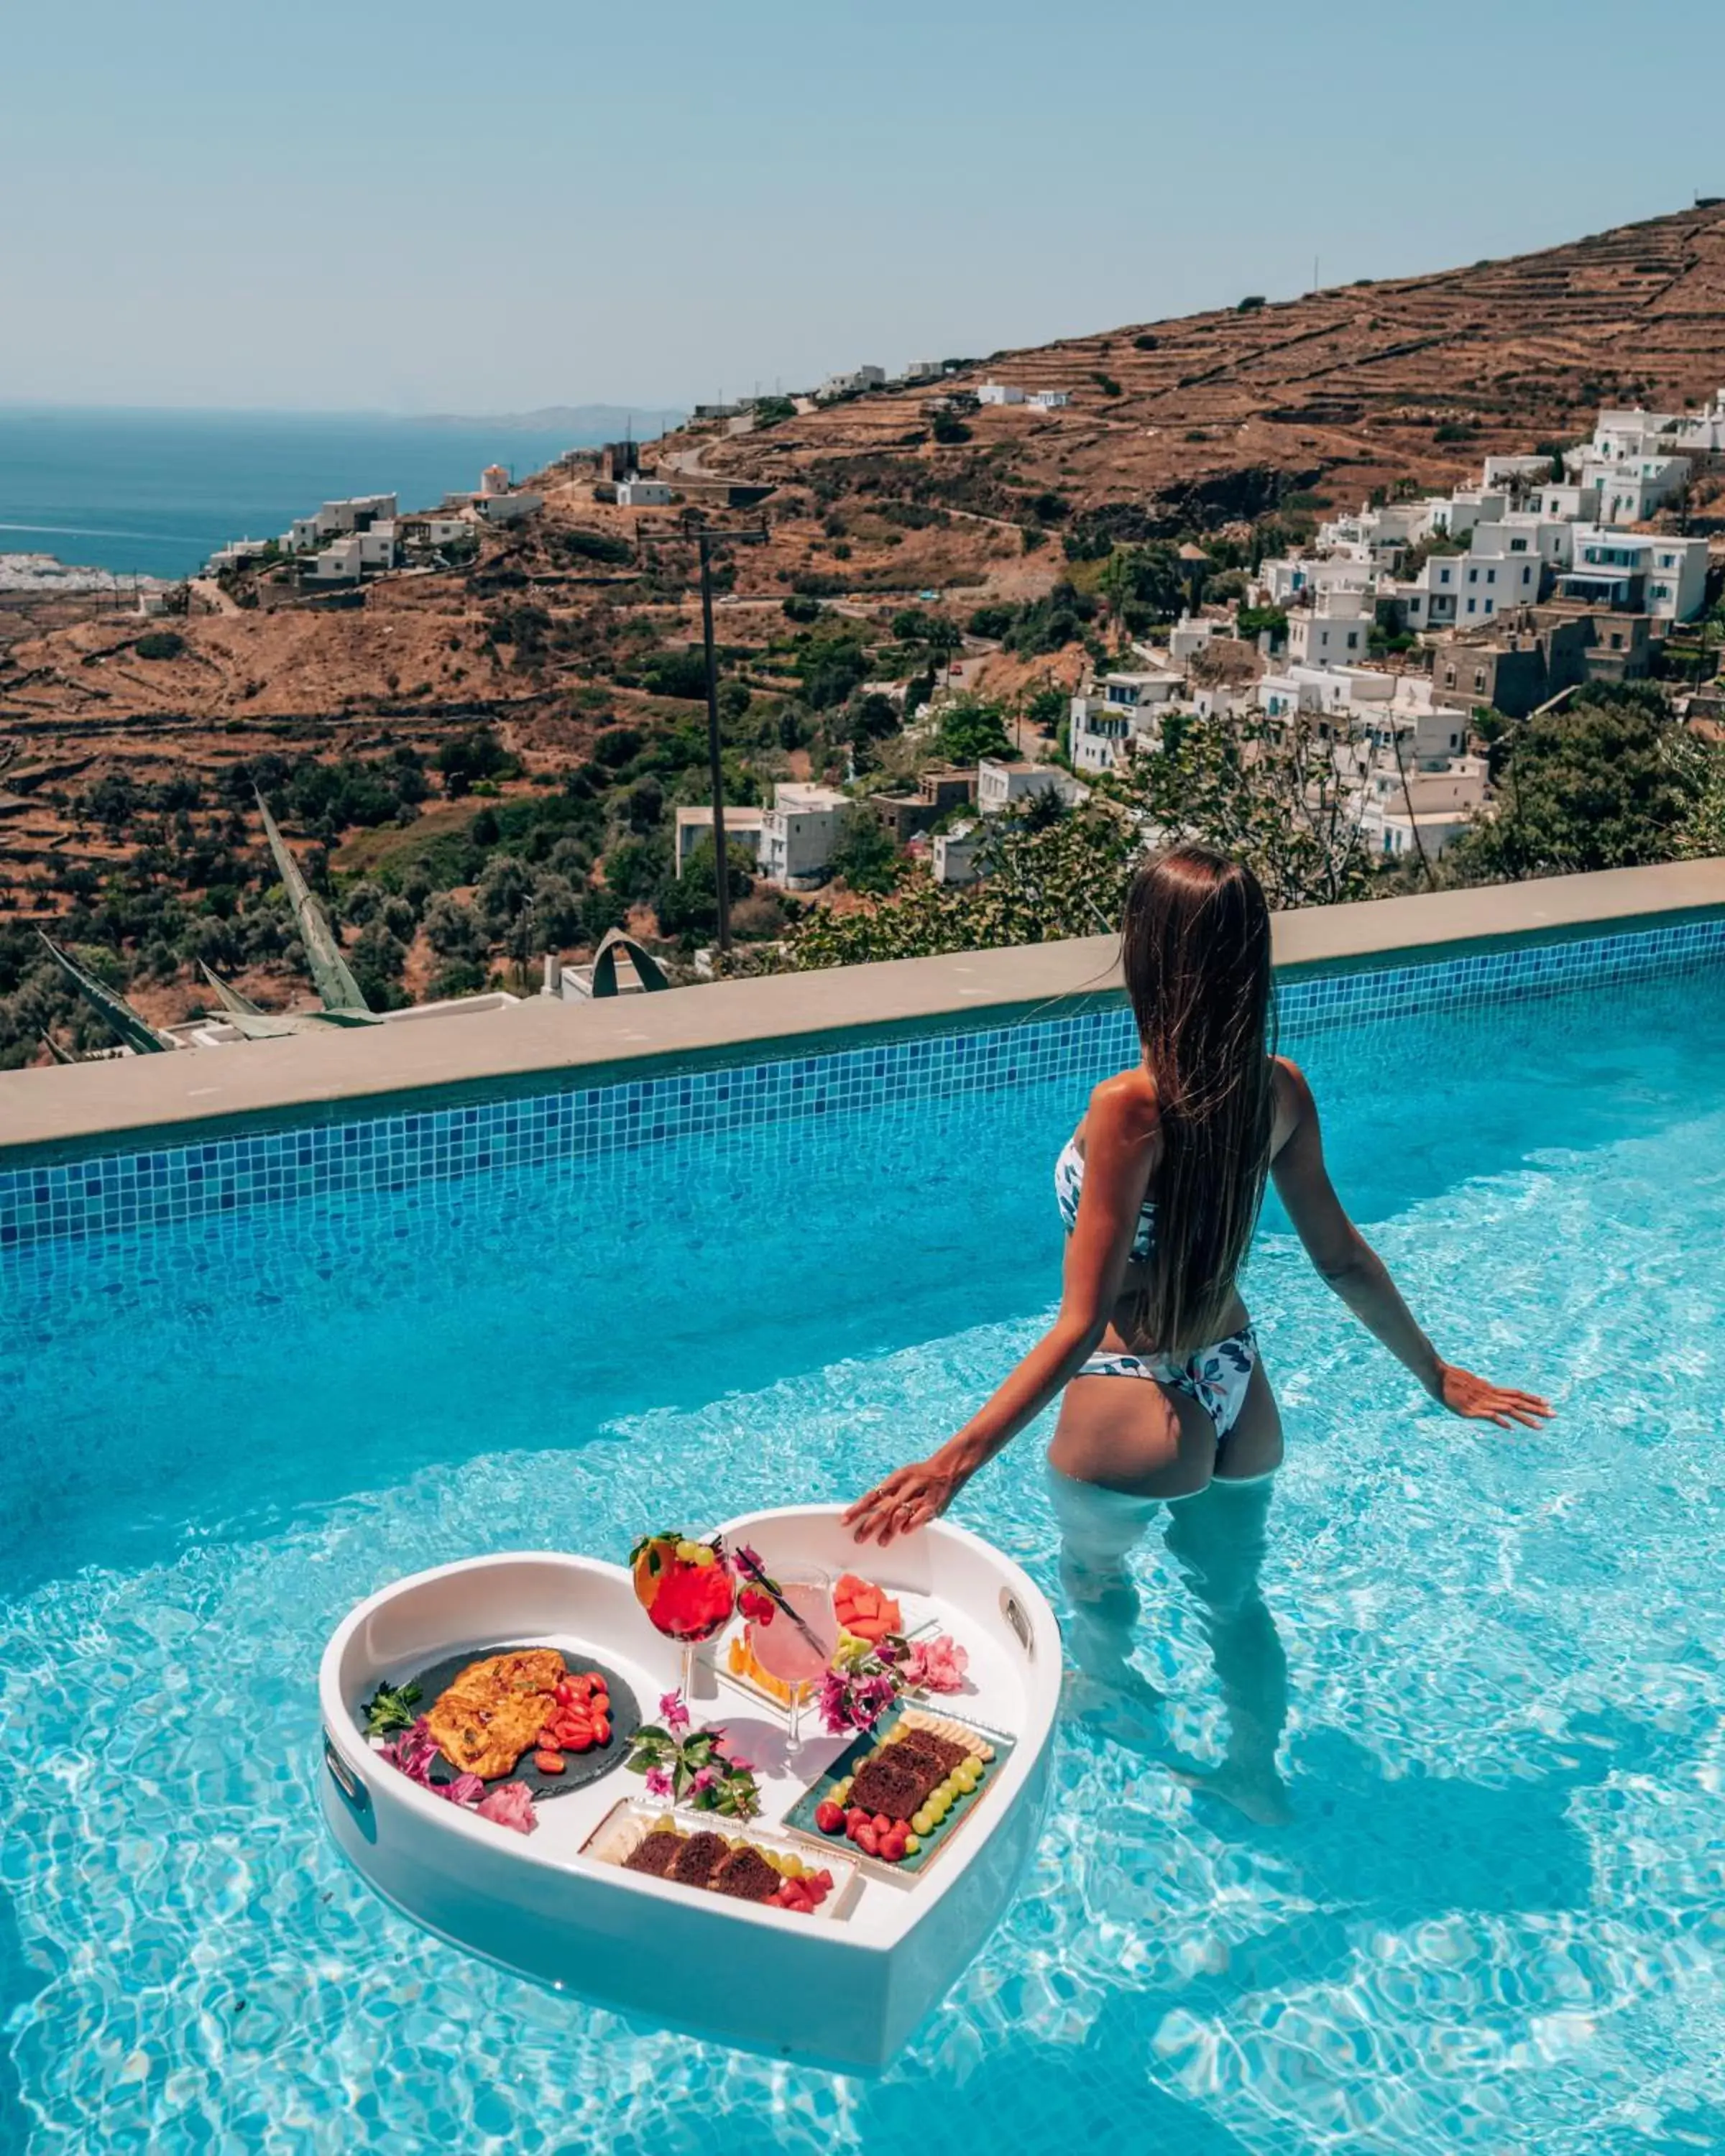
[{"x": 797, "y": 1658}]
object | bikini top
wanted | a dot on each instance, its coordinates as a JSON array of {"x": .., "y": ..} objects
[{"x": 1069, "y": 1183}]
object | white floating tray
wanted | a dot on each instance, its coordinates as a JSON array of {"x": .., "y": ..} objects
[{"x": 846, "y": 1993}]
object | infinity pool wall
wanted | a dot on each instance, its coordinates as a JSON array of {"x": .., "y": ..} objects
[{"x": 123, "y": 1192}]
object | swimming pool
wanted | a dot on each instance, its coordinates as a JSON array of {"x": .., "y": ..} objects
[{"x": 1494, "y": 1918}]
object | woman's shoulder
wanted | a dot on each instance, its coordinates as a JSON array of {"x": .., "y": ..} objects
[
  {"x": 1124, "y": 1106},
  {"x": 1292, "y": 1097}
]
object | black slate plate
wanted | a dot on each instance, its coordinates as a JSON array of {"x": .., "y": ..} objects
[{"x": 581, "y": 1768}]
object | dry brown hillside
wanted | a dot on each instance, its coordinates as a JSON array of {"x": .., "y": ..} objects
[
  {"x": 1218, "y": 415},
  {"x": 554, "y": 633}
]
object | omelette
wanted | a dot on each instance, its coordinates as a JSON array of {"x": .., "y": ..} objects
[{"x": 495, "y": 1709}]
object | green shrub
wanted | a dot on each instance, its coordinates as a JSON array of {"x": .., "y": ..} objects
[{"x": 159, "y": 643}]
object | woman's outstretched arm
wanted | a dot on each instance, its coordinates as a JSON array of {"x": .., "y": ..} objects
[
  {"x": 1348, "y": 1263},
  {"x": 1119, "y": 1151}
]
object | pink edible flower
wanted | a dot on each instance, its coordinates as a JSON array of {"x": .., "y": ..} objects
[
  {"x": 853, "y": 1702},
  {"x": 412, "y": 1753},
  {"x": 673, "y": 1713},
  {"x": 734, "y": 1760},
  {"x": 705, "y": 1778},
  {"x": 511, "y": 1805},
  {"x": 935, "y": 1665},
  {"x": 659, "y": 1783}
]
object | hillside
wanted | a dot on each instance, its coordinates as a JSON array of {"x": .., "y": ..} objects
[
  {"x": 559, "y": 669},
  {"x": 1224, "y": 415}
]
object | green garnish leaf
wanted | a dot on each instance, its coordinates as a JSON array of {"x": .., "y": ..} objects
[{"x": 390, "y": 1710}]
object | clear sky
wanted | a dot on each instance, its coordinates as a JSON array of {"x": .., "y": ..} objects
[{"x": 446, "y": 206}]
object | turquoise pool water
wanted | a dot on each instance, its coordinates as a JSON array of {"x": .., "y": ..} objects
[{"x": 1495, "y": 1918}]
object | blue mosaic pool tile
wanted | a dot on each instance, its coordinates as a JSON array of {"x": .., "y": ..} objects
[{"x": 206, "y": 1180}]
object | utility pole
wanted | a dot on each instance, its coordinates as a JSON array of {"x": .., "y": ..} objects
[
  {"x": 716, "y": 762},
  {"x": 706, "y": 540}
]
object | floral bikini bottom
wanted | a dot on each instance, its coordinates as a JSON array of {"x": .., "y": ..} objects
[{"x": 1215, "y": 1377}]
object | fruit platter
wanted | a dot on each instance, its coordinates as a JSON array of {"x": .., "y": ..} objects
[
  {"x": 900, "y": 1791},
  {"x": 758, "y": 1748}
]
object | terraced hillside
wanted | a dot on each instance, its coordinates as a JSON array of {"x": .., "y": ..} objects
[{"x": 1222, "y": 414}]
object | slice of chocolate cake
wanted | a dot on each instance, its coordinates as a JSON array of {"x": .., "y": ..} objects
[
  {"x": 896, "y": 1787},
  {"x": 939, "y": 1752},
  {"x": 655, "y": 1854},
  {"x": 745, "y": 1876},
  {"x": 699, "y": 1858}
]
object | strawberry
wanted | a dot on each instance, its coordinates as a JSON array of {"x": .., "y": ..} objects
[{"x": 829, "y": 1817}]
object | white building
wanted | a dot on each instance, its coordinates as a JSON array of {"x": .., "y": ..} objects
[
  {"x": 999, "y": 392},
  {"x": 1502, "y": 470},
  {"x": 434, "y": 530},
  {"x": 1638, "y": 572},
  {"x": 494, "y": 479},
  {"x": 507, "y": 508},
  {"x": 1333, "y": 631},
  {"x": 1188, "y": 638},
  {"x": 1631, "y": 488},
  {"x": 1697, "y": 434},
  {"x": 235, "y": 554},
  {"x": 851, "y": 384},
  {"x": 1115, "y": 714},
  {"x": 1287, "y": 577},
  {"x": 953, "y": 853},
  {"x": 1049, "y": 400},
  {"x": 742, "y": 828},
  {"x": 340, "y": 563},
  {"x": 1001, "y": 785},
  {"x": 357, "y": 514},
  {"x": 1393, "y": 831},
  {"x": 800, "y": 834},
  {"x": 1564, "y": 501},
  {"x": 638, "y": 493}
]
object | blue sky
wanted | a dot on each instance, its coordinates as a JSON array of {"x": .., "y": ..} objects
[{"x": 485, "y": 209}]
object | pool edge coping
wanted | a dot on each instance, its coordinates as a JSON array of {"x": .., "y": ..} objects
[{"x": 197, "y": 1094}]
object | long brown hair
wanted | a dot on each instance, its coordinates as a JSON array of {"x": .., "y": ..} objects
[{"x": 1195, "y": 947}]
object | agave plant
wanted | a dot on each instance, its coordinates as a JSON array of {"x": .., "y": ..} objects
[
  {"x": 342, "y": 1003},
  {"x": 128, "y": 1026}
]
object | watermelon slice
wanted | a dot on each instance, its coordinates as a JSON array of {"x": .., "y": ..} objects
[{"x": 862, "y": 1608}]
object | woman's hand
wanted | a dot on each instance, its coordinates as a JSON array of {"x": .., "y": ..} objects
[
  {"x": 1478, "y": 1400},
  {"x": 906, "y": 1500}
]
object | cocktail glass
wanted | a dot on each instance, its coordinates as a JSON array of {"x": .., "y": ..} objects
[
  {"x": 686, "y": 1589},
  {"x": 784, "y": 1651}
]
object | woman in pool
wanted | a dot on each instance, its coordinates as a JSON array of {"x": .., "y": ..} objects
[{"x": 1166, "y": 1397}]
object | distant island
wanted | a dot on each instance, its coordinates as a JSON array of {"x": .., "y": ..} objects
[{"x": 602, "y": 422}]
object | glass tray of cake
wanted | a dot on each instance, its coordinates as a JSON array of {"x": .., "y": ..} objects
[{"x": 752, "y": 1864}]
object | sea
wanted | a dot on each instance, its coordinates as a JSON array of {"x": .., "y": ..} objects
[{"x": 154, "y": 492}]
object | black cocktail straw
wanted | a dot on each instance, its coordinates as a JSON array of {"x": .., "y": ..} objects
[{"x": 751, "y": 1565}]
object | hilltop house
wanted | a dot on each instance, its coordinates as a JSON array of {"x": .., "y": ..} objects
[
  {"x": 742, "y": 828},
  {"x": 800, "y": 833},
  {"x": 851, "y": 384}
]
